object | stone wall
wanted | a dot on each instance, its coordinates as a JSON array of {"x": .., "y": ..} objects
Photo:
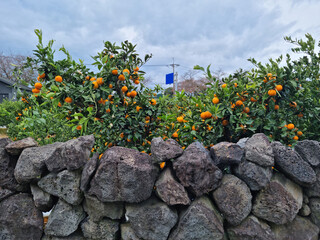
[{"x": 250, "y": 190}]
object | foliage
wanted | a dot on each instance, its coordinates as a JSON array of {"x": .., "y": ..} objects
[{"x": 9, "y": 111}]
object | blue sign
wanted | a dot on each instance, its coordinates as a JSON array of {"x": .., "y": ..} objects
[{"x": 169, "y": 78}]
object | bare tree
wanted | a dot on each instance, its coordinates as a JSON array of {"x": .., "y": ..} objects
[
  {"x": 191, "y": 84},
  {"x": 10, "y": 63}
]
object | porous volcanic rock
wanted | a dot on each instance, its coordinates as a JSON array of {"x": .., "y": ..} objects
[
  {"x": 233, "y": 198},
  {"x": 200, "y": 221},
  {"x": 292, "y": 165},
  {"x": 4, "y": 193},
  {"x": 226, "y": 153},
  {"x": 77, "y": 235},
  {"x": 196, "y": 171},
  {"x": 169, "y": 190},
  {"x": 151, "y": 219},
  {"x": 164, "y": 150},
  {"x": 313, "y": 190},
  {"x": 279, "y": 202},
  {"x": 258, "y": 150},
  {"x": 19, "y": 218},
  {"x": 127, "y": 232},
  {"x": 64, "y": 219},
  {"x": 42, "y": 200},
  {"x": 123, "y": 175},
  {"x": 314, "y": 205},
  {"x": 88, "y": 172},
  {"x": 15, "y": 148},
  {"x": 106, "y": 229},
  {"x": 309, "y": 150}
]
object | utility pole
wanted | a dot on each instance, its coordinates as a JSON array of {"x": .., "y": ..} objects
[{"x": 175, "y": 77}]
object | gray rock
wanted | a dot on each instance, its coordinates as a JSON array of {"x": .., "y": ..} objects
[
  {"x": 225, "y": 154},
  {"x": 98, "y": 210},
  {"x": 292, "y": 165},
  {"x": 151, "y": 219},
  {"x": 7, "y": 165},
  {"x": 251, "y": 228},
  {"x": 242, "y": 142},
  {"x": 31, "y": 163},
  {"x": 105, "y": 229},
  {"x": 254, "y": 175},
  {"x": 279, "y": 202},
  {"x": 77, "y": 235},
  {"x": 304, "y": 210},
  {"x": 233, "y": 199},
  {"x": 309, "y": 150},
  {"x": 5, "y": 193},
  {"x": 201, "y": 221},
  {"x": 127, "y": 232},
  {"x": 15, "y": 148},
  {"x": 64, "y": 219},
  {"x": 258, "y": 150},
  {"x": 88, "y": 172},
  {"x": 42, "y": 200},
  {"x": 19, "y": 218},
  {"x": 164, "y": 150},
  {"x": 196, "y": 171},
  {"x": 65, "y": 184},
  {"x": 305, "y": 199},
  {"x": 169, "y": 190},
  {"x": 71, "y": 155},
  {"x": 314, "y": 205},
  {"x": 123, "y": 175},
  {"x": 313, "y": 190},
  {"x": 299, "y": 229}
]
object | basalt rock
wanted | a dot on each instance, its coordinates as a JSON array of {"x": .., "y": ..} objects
[
  {"x": 88, "y": 172},
  {"x": 15, "y": 148},
  {"x": 106, "y": 229},
  {"x": 225, "y": 153},
  {"x": 164, "y": 150},
  {"x": 309, "y": 150}
]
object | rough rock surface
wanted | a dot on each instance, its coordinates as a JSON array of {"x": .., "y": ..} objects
[
  {"x": 64, "y": 219},
  {"x": 164, "y": 150},
  {"x": 279, "y": 202},
  {"x": 304, "y": 210},
  {"x": 226, "y": 153},
  {"x": 251, "y": 228},
  {"x": 15, "y": 148},
  {"x": 123, "y": 175},
  {"x": 7, "y": 165},
  {"x": 201, "y": 221},
  {"x": 31, "y": 163},
  {"x": 77, "y": 235},
  {"x": 196, "y": 171},
  {"x": 42, "y": 200},
  {"x": 314, "y": 205},
  {"x": 233, "y": 199},
  {"x": 127, "y": 232},
  {"x": 169, "y": 190},
  {"x": 98, "y": 210},
  {"x": 309, "y": 150},
  {"x": 151, "y": 219},
  {"x": 292, "y": 165},
  {"x": 19, "y": 218},
  {"x": 299, "y": 229},
  {"x": 71, "y": 155},
  {"x": 254, "y": 175},
  {"x": 4, "y": 193},
  {"x": 258, "y": 150},
  {"x": 313, "y": 190},
  {"x": 88, "y": 172},
  {"x": 65, "y": 184},
  {"x": 242, "y": 142},
  {"x": 105, "y": 229}
]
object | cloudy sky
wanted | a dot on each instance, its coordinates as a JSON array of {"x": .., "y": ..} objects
[{"x": 221, "y": 33}]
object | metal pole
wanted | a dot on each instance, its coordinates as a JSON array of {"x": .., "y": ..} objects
[{"x": 173, "y": 87}]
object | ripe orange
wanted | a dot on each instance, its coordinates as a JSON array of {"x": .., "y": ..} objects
[
  {"x": 293, "y": 104},
  {"x": 58, "y": 79},
  {"x": 276, "y": 107},
  {"x": 175, "y": 135},
  {"x": 108, "y": 110},
  {"x": 180, "y": 119},
  {"x": 162, "y": 165},
  {"x": 225, "y": 122},
  {"x": 138, "y": 108},
  {"x": 215, "y": 100},
  {"x": 87, "y": 77},
  {"x": 153, "y": 102},
  {"x": 272, "y": 92},
  {"x": 95, "y": 84},
  {"x": 126, "y": 71},
  {"x": 121, "y": 77},
  {"x": 224, "y": 85},
  {"x": 38, "y": 85},
  {"x": 114, "y": 72},
  {"x": 79, "y": 127},
  {"x": 136, "y": 81},
  {"x": 35, "y": 90},
  {"x": 124, "y": 89},
  {"x": 235, "y": 84},
  {"x": 239, "y": 103},
  {"x": 68, "y": 99},
  {"x": 253, "y": 100},
  {"x": 300, "y": 115},
  {"x": 246, "y": 110},
  {"x": 136, "y": 69},
  {"x": 92, "y": 79},
  {"x": 290, "y": 126},
  {"x": 299, "y": 133},
  {"x": 59, "y": 104},
  {"x": 279, "y": 88},
  {"x": 42, "y": 75},
  {"x": 133, "y": 94},
  {"x": 100, "y": 81},
  {"x": 295, "y": 138},
  {"x": 110, "y": 85}
]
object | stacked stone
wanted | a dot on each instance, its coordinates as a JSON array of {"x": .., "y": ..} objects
[{"x": 250, "y": 190}]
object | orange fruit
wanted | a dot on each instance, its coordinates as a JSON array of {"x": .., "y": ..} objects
[
  {"x": 137, "y": 82},
  {"x": 295, "y": 138},
  {"x": 225, "y": 122},
  {"x": 114, "y": 72},
  {"x": 87, "y": 77},
  {"x": 138, "y": 108},
  {"x": 133, "y": 94},
  {"x": 110, "y": 85},
  {"x": 290, "y": 126},
  {"x": 224, "y": 85},
  {"x": 153, "y": 102},
  {"x": 92, "y": 79},
  {"x": 180, "y": 119},
  {"x": 58, "y": 79},
  {"x": 279, "y": 88},
  {"x": 235, "y": 84},
  {"x": 136, "y": 69},
  {"x": 122, "y": 135},
  {"x": 108, "y": 110},
  {"x": 175, "y": 135},
  {"x": 100, "y": 81},
  {"x": 293, "y": 104},
  {"x": 300, "y": 115},
  {"x": 79, "y": 127},
  {"x": 68, "y": 99},
  {"x": 246, "y": 110},
  {"x": 162, "y": 165},
  {"x": 121, "y": 77},
  {"x": 95, "y": 84},
  {"x": 38, "y": 85},
  {"x": 124, "y": 89},
  {"x": 126, "y": 71},
  {"x": 35, "y": 90},
  {"x": 215, "y": 100},
  {"x": 239, "y": 103},
  {"x": 59, "y": 104},
  {"x": 253, "y": 100},
  {"x": 42, "y": 75},
  {"x": 276, "y": 107},
  {"x": 272, "y": 92},
  {"x": 299, "y": 133}
]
